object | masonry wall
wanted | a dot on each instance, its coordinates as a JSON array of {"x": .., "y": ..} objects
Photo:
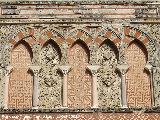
[{"x": 70, "y": 56}]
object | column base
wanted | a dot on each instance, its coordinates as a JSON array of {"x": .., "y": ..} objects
[
  {"x": 35, "y": 108},
  {"x": 94, "y": 107},
  {"x": 5, "y": 107},
  {"x": 124, "y": 107},
  {"x": 64, "y": 107}
]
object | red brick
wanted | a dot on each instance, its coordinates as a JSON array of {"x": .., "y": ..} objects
[
  {"x": 31, "y": 31},
  {"x": 98, "y": 40},
  {"x": 108, "y": 34},
  {"x": 20, "y": 35},
  {"x": 88, "y": 40},
  {"x": 12, "y": 41},
  {"x": 116, "y": 40},
  {"x": 145, "y": 40},
  {"x": 41, "y": 41},
  {"x": 49, "y": 34},
  {"x": 126, "y": 40},
  {"x": 59, "y": 40},
  {"x": 137, "y": 34},
  {"x": 126, "y": 30},
  {"x": 70, "y": 40},
  {"x": 31, "y": 41},
  {"x": 79, "y": 34}
]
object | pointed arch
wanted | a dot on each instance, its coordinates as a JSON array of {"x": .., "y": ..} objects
[
  {"x": 83, "y": 45},
  {"x": 50, "y": 76},
  {"x": 107, "y": 33},
  {"x": 132, "y": 33},
  {"x": 112, "y": 45},
  {"x": 138, "y": 80},
  {"x": 21, "y": 79},
  {"x": 108, "y": 78},
  {"x": 55, "y": 46},
  {"x": 79, "y": 79},
  {"x": 79, "y": 34},
  {"x": 137, "y": 34},
  {"x": 26, "y": 35},
  {"x": 53, "y": 34}
]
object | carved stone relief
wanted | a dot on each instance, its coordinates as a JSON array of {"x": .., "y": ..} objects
[
  {"x": 50, "y": 77},
  {"x": 79, "y": 79},
  {"x": 137, "y": 79},
  {"x": 21, "y": 81},
  {"x": 49, "y": 72},
  {"x": 109, "y": 81}
]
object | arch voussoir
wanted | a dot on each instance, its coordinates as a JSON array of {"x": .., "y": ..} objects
[{"x": 107, "y": 34}]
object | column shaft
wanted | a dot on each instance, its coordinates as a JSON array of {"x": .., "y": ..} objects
[
  {"x": 6, "y": 83},
  {"x": 124, "y": 93},
  {"x": 65, "y": 70}
]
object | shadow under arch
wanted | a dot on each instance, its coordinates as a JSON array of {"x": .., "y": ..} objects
[
  {"x": 140, "y": 45},
  {"x": 83, "y": 45},
  {"x": 54, "y": 45},
  {"x": 112, "y": 46},
  {"x": 26, "y": 45}
]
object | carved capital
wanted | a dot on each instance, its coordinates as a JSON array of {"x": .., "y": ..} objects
[
  {"x": 148, "y": 67},
  {"x": 93, "y": 69},
  {"x": 8, "y": 70},
  {"x": 35, "y": 69},
  {"x": 65, "y": 69},
  {"x": 123, "y": 68}
]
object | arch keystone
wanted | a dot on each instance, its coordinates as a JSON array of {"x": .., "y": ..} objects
[
  {"x": 108, "y": 34},
  {"x": 49, "y": 34}
]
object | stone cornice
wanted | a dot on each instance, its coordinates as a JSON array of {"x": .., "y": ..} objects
[{"x": 73, "y": 2}]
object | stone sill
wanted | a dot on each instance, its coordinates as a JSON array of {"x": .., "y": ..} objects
[{"x": 92, "y": 110}]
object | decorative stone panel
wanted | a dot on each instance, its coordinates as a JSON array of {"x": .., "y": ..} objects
[
  {"x": 50, "y": 77},
  {"x": 137, "y": 79},
  {"x": 79, "y": 79},
  {"x": 21, "y": 80},
  {"x": 109, "y": 81}
]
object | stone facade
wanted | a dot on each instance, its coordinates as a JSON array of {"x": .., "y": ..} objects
[{"x": 73, "y": 57}]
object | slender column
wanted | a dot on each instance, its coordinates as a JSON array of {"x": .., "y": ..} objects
[
  {"x": 123, "y": 69},
  {"x": 150, "y": 68},
  {"x": 65, "y": 70},
  {"x": 35, "y": 70},
  {"x": 6, "y": 82},
  {"x": 93, "y": 70}
]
